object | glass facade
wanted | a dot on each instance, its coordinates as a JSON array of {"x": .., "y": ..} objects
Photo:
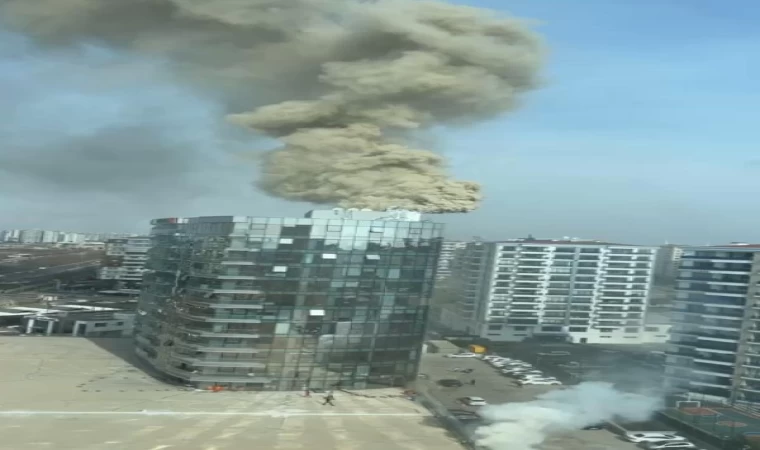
[{"x": 280, "y": 304}]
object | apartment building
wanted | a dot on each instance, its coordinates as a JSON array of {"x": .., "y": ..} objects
[
  {"x": 667, "y": 263},
  {"x": 449, "y": 250},
  {"x": 715, "y": 343},
  {"x": 125, "y": 261},
  {"x": 569, "y": 290},
  {"x": 339, "y": 298}
]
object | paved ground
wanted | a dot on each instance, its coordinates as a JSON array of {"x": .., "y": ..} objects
[
  {"x": 496, "y": 389},
  {"x": 628, "y": 369},
  {"x": 719, "y": 421},
  {"x": 70, "y": 393}
]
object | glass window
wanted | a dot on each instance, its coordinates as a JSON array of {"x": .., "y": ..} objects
[
  {"x": 280, "y": 269},
  {"x": 329, "y": 256}
]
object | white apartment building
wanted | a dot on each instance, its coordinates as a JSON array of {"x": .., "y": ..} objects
[
  {"x": 30, "y": 236},
  {"x": 125, "y": 260},
  {"x": 570, "y": 290},
  {"x": 448, "y": 252},
  {"x": 715, "y": 340},
  {"x": 50, "y": 237}
]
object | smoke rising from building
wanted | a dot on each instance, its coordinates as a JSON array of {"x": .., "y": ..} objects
[
  {"x": 524, "y": 426},
  {"x": 344, "y": 85}
]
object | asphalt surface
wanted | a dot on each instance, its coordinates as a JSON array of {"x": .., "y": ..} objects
[
  {"x": 629, "y": 369},
  {"x": 498, "y": 389}
]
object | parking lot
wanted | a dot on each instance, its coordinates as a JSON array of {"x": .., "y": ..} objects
[
  {"x": 498, "y": 389},
  {"x": 628, "y": 367}
]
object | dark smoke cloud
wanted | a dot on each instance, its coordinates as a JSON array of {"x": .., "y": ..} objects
[
  {"x": 344, "y": 85},
  {"x": 87, "y": 119}
]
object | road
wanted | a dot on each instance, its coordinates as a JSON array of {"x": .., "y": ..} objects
[
  {"x": 497, "y": 389},
  {"x": 46, "y": 271}
]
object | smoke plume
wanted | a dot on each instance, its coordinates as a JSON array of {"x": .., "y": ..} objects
[
  {"x": 344, "y": 85},
  {"x": 523, "y": 426}
]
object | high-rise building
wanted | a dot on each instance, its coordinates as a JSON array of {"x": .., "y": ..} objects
[
  {"x": 50, "y": 237},
  {"x": 715, "y": 338},
  {"x": 338, "y": 298},
  {"x": 666, "y": 264},
  {"x": 125, "y": 261},
  {"x": 448, "y": 251},
  {"x": 30, "y": 236},
  {"x": 581, "y": 291}
]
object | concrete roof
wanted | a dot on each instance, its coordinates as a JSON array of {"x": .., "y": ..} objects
[{"x": 61, "y": 392}]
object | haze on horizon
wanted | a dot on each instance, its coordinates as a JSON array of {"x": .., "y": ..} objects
[{"x": 641, "y": 133}]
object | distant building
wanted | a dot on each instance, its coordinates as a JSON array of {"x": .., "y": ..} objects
[
  {"x": 30, "y": 236},
  {"x": 71, "y": 238},
  {"x": 55, "y": 317},
  {"x": 666, "y": 264},
  {"x": 448, "y": 251},
  {"x": 125, "y": 260},
  {"x": 49, "y": 237},
  {"x": 11, "y": 236},
  {"x": 339, "y": 298},
  {"x": 567, "y": 290},
  {"x": 715, "y": 343}
]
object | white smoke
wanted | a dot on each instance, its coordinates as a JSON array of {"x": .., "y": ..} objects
[{"x": 523, "y": 426}]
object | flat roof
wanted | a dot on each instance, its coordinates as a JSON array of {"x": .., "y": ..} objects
[
  {"x": 569, "y": 242},
  {"x": 65, "y": 392}
]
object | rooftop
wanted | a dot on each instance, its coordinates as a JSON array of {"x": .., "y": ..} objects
[
  {"x": 59, "y": 392},
  {"x": 566, "y": 241}
]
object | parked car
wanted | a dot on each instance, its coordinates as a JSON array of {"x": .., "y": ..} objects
[
  {"x": 473, "y": 401},
  {"x": 462, "y": 355},
  {"x": 531, "y": 376},
  {"x": 463, "y": 415},
  {"x": 450, "y": 383},
  {"x": 596, "y": 426},
  {"x": 554, "y": 353},
  {"x": 540, "y": 381},
  {"x": 461, "y": 369},
  {"x": 513, "y": 363},
  {"x": 663, "y": 445},
  {"x": 653, "y": 436},
  {"x": 520, "y": 370},
  {"x": 495, "y": 358}
]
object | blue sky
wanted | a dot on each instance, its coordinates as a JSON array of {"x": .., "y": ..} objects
[{"x": 644, "y": 131}]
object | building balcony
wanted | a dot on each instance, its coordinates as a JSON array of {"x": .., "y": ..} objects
[
  {"x": 242, "y": 334},
  {"x": 219, "y": 318},
  {"x": 225, "y": 303},
  {"x": 208, "y": 362},
  {"x": 192, "y": 377},
  {"x": 226, "y": 349}
]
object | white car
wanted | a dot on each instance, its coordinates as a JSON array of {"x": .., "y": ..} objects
[
  {"x": 555, "y": 353},
  {"x": 653, "y": 436},
  {"x": 540, "y": 381},
  {"x": 515, "y": 365},
  {"x": 462, "y": 355},
  {"x": 517, "y": 369},
  {"x": 496, "y": 358},
  {"x": 662, "y": 445},
  {"x": 532, "y": 376},
  {"x": 473, "y": 401},
  {"x": 517, "y": 373}
]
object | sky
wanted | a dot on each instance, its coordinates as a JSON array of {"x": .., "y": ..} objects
[{"x": 640, "y": 134}]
